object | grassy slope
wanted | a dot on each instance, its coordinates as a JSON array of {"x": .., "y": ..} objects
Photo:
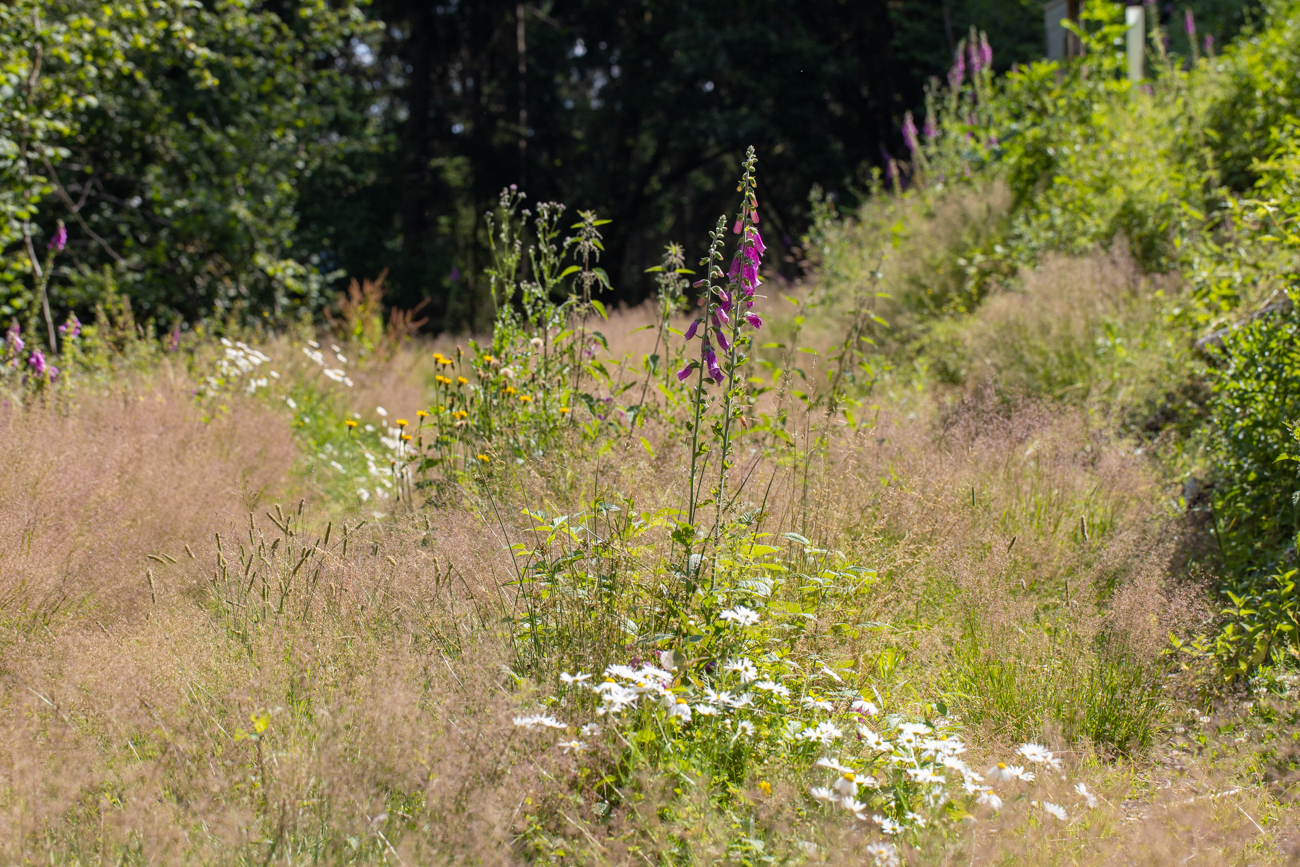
[{"x": 265, "y": 695}]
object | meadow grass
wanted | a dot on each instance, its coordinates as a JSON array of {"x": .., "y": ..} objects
[{"x": 217, "y": 650}]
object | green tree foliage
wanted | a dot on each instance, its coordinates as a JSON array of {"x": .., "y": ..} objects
[{"x": 172, "y": 138}]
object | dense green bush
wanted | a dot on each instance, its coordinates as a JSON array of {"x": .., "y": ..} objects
[{"x": 170, "y": 137}]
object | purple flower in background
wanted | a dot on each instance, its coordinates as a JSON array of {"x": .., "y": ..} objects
[
  {"x": 1209, "y": 43},
  {"x": 455, "y": 273},
  {"x": 174, "y": 342},
  {"x": 891, "y": 169},
  {"x": 909, "y": 133},
  {"x": 71, "y": 329},
  {"x": 986, "y": 52},
  {"x": 976, "y": 59},
  {"x": 59, "y": 240},
  {"x": 13, "y": 342},
  {"x": 39, "y": 367},
  {"x": 931, "y": 129},
  {"x": 1189, "y": 23},
  {"x": 958, "y": 72},
  {"x": 722, "y": 340}
]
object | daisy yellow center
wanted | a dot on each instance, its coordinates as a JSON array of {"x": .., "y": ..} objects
[
  {"x": 1002, "y": 766},
  {"x": 848, "y": 775}
]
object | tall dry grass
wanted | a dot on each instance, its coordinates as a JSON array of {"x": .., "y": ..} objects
[{"x": 291, "y": 682}]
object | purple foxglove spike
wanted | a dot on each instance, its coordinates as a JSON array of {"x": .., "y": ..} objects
[
  {"x": 1209, "y": 42},
  {"x": 694, "y": 326},
  {"x": 59, "y": 239},
  {"x": 909, "y": 133},
  {"x": 71, "y": 329},
  {"x": 14, "y": 342},
  {"x": 711, "y": 361},
  {"x": 757, "y": 240},
  {"x": 722, "y": 341},
  {"x": 754, "y": 320},
  {"x": 37, "y": 361},
  {"x": 957, "y": 74},
  {"x": 986, "y": 51},
  {"x": 721, "y": 315},
  {"x": 931, "y": 130},
  {"x": 749, "y": 305},
  {"x": 685, "y": 371},
  {"x": 750, "y": 274},
  {"x": 1189, "y": 23},
  {"x": 973, "y": 51},
  {"x": 735, "y": 270},
  {"x": 752, "y": 255}
]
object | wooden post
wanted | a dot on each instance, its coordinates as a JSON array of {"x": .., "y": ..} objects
[{"x": 1136, "y": 18}]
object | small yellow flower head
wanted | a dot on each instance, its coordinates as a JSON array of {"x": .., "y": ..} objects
[
  {"x": 484, "y": 458},
  {"x": 489, "y": 359},
  {"x": 765, "y": 787},
  {"x": 419, "y": 413},
  {"x": 444, "y": 380},
  {"x": 401, "y": 422},
  {"x": 510, "y": 389},
  {"x": 564, "y": 410},
  {"x": 460, "y": 380},
  {"x": 350, "y": 423},
  {"x": 437, "y": 356},
  {"x": 406, "y": 438},
  {"x": 444, "y": 361},
  {"x": 526, "y": 398}
]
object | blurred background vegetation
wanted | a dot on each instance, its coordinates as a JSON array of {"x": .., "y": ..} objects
[{"x": 211, "y": 157}]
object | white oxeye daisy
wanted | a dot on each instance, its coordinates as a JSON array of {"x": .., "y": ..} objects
[
  {"x": 1053, "y": 809},
  {"x": 990, "y": 800},
  {"x": 677, "y": 707},
  {"x": 914, "y": 729},
  {"x": 925, "y": 775},
  {"x": 847, "y": 785},
  {"x": 887, "y": 825},
  {"x": 824, "y": 733},
  {"x": 1003, "y": 773},
  {"x": 745, "y": 727},
  {"x": 817, "y": 704},
  {"x": 772, "y": 687},
  {"x": 856, "y": 807},
  {"x": 538, "y": 720},
  {"x": 822, "y": 795},
  {"x": 861, "y": 705},
  {"x": 706, "y": 710},
  {"x": 1089, "y": 798},
  {"x": 740, "y": 615},
  {"x": 381, "y": 410},
  {"x": 883, "y": 854},
  {"x": 746, "y": 669},
  {"x": 1039, "y": 755},
  {"x": 574, "y": 678},
  {"x": 873, "y": 741},
  {"x": 574, "y": 746},
  {"x": 590, "y": 730},
  {"x": 833, "y": 764}
]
